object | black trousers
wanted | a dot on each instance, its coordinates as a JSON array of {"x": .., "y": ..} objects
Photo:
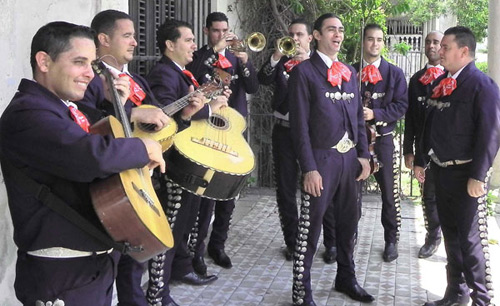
[
  {"x": 79, "y": 281},
  {"x": 464, "y": 226}
]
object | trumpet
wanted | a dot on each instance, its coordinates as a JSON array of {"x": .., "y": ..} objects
[
  {"x": 287, "y": 46},
  {"x": 256, "y": 42}
]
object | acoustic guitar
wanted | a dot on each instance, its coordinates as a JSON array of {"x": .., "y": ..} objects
[
  {"x": 211, "y": 158},
  {"x": 165, "y": 136},
  {"x": 126, "y": 203}
]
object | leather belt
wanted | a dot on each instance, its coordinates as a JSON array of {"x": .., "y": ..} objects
[
  {"x": 449, "y": 162},
  {"x": 283, "y": 122},
  {"x": 344, "y": 145},
  {"x": 58, "y": 252}
]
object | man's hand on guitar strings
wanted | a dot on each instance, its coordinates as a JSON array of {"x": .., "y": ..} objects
[
  {"x": 148, "y": 115},
  {"x": 218, "y": 102},
  {"x": 195, "y": 104}
]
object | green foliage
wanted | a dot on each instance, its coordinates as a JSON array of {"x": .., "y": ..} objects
[
  {"x": 483, "y": 66},
  {"x": 402, "y": 48},
  {"x": 490, "y": 203},
  {"x": 425, "y": 10},
  {"x": 470, "y": 13}
]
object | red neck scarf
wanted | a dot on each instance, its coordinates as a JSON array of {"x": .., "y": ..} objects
[
  {"x": 222, "y": 62},
  {"x": 444, "y": 88},
  {"x": 137, "y": 95},
  {"x": 430, "y": 75},
  {"x": 290, "y": 64},
  {"x": 371, "y": 74},
  {"x": 191, "y": 76},
  {"x": 338, "y": 72},
  {"x": 79, "y": 118}
]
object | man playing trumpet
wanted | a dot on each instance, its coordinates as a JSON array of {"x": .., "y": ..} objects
[{"x": 215, "y": 54}]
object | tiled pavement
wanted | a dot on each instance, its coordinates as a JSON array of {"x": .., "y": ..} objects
[{"x": 261, "y": 276}]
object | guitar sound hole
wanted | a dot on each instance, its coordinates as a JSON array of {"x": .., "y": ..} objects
[
  {"x": 218, "y": 122},
  {"x": 147, "y": 127}
]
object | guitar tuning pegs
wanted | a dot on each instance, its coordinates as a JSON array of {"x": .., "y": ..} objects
[
  {"x": 208, "y": 76},
  {"x": 234, "y": 77}
]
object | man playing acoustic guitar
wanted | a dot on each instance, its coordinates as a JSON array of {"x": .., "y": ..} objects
[{"x": 45, "y": 140}]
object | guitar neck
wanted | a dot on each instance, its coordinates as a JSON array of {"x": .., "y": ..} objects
[
  {"x": 208, "y": 88},
  {"x": 177, "y": 105},
  {"x": 118, "y": 106}
]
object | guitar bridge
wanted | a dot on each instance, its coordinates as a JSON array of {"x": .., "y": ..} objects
[
  {"x": 224, "y": 148},
  {"x": 145, "y": 196}
]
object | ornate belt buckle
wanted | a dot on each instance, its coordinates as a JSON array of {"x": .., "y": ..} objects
[{"x": 344, "y": 145}]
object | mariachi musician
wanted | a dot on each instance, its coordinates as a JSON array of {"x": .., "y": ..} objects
[
  {"x": 170, "y": 81},
  {"x": 216, "y": 54},
  {"x": 384, "y": 85}
]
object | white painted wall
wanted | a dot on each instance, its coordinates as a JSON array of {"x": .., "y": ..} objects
[{"x": 20, "y": 21}]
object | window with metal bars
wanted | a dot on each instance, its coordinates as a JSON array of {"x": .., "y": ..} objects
[{"x": 148, "y": 15}]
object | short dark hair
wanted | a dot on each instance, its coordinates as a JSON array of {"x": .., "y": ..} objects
[
  {"x": 54, "y": 39},
  {"x": 214, "y": 17},
  {"x": 105, "y": 22},
  {"x": 319, "y": 22},
  {"x": 371, "y": 26},
  {"x": 169, "y": 30},
  {"x": 464, "y": 38},
  {"x": 303, "y": 21}
]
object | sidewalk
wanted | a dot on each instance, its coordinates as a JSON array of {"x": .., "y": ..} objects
[{"x": 261, "y": 276}]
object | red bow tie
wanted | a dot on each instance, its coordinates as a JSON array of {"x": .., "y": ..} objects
[
  {"x": 338, "y": 72},
  {"x": 444, "y": 88},
  {"x": 430, "y": 75},
  {"x": 191, "y": 76},
  {"x": 290, "y": 64},
  {"x": 371, "y": 74},
  {"x": 222, "y": 62},
  {"x": 79, "y": 118}
]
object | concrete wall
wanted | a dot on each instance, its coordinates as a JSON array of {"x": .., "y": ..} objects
[
  {"x": 494, "y": 70},
  {"x": 20, "y": 21}
]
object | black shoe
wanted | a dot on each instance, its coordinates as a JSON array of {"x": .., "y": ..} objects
[
  {"x": 355, "y": 292},
  {"x": 390, "y": 251},
  {"x": 288, "y": 252},
  {"x": 330, "y": 255},
  {"x": 199, "y": 265},
  {"x": 428, "y": 249},
  {"x": 197, "y": 280},
  {"x": 455, "y": 300},
  {"x": 220, "y": 257}
]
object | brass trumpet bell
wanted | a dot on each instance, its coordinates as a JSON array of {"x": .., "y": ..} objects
[
  {"x": 287, "y": 46},
  {"x": 256, "y": 42}
]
